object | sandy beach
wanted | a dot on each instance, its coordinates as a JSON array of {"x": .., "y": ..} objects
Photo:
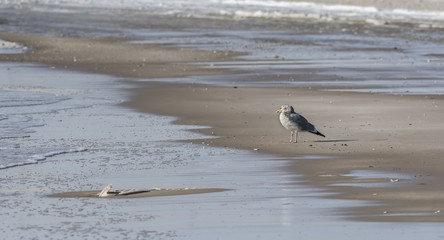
[
  {"x": 187, "y": 108},
  {"x": 394, "y": 134},
  {"x": 368, "y": 132}
]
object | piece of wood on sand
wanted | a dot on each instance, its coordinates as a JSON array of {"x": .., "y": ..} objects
[{"x": 108, "y": 191}]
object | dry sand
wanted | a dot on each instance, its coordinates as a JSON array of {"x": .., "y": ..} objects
[{"x": 394, "y": 134}]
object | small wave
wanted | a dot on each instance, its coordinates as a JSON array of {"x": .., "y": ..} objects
[
  {"x": 329, "y": 12},
  {"x": 41, "y": 157},
  {"x": 235, "y": 9},
  {"x": 3, "y": 117},
  {"x": 9, "y": 145},
  {"x": 10, "y": 98}
]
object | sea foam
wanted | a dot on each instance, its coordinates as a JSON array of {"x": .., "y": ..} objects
[{"x": 241, "y": 9}]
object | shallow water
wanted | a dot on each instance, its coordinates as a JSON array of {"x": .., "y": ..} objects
[
  {"x": 361, "y": 63},
  {"x": 344, "y": 48},
  {"x": 20, "y": 104}
]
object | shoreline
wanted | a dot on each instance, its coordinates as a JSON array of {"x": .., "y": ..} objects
[
  {"x": 422, "y": 5},
  {"x": 384, "y": 133},
  {"x": 365, "y": 132}
]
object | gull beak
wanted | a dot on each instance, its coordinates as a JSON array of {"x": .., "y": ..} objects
[{"x": 279, "y": 111}]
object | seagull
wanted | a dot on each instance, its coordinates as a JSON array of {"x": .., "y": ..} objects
[{"x": 295, "y": 122}]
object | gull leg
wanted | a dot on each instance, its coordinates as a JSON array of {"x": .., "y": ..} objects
[
  {"x": 291, "y": 136},
  {"x": 296, "y": 140}
]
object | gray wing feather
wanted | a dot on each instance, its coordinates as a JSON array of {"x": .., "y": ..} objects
[{"x": 302, "y": 123}]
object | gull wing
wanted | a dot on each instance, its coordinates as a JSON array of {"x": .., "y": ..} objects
[{"x": 302, "y": 123}]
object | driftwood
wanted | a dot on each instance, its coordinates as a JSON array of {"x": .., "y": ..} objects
[{"x": 108, "y": 191}]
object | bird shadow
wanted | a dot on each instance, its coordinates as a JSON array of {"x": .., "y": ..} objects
[{"x": 337, "y": 140}]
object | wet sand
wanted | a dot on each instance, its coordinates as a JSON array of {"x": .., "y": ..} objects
[
  {"x": 113, "y": 56},
  {"x": 369, "y": 132}
]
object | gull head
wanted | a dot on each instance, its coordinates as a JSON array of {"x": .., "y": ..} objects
[{"x": 286, "y": 109}]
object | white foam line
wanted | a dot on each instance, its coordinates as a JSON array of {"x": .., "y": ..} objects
[
  {"x": 240, "y": 9},
  {"x": 38, "y": 158}
]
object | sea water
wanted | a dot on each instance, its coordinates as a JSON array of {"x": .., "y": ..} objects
[
  {"x": 239, "y": 9},
  {"x": 285, "y": 43},
  {"x": 19, "y": 104}
]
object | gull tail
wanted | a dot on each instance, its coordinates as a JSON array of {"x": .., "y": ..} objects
[{"x": 317, "y": 133}]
